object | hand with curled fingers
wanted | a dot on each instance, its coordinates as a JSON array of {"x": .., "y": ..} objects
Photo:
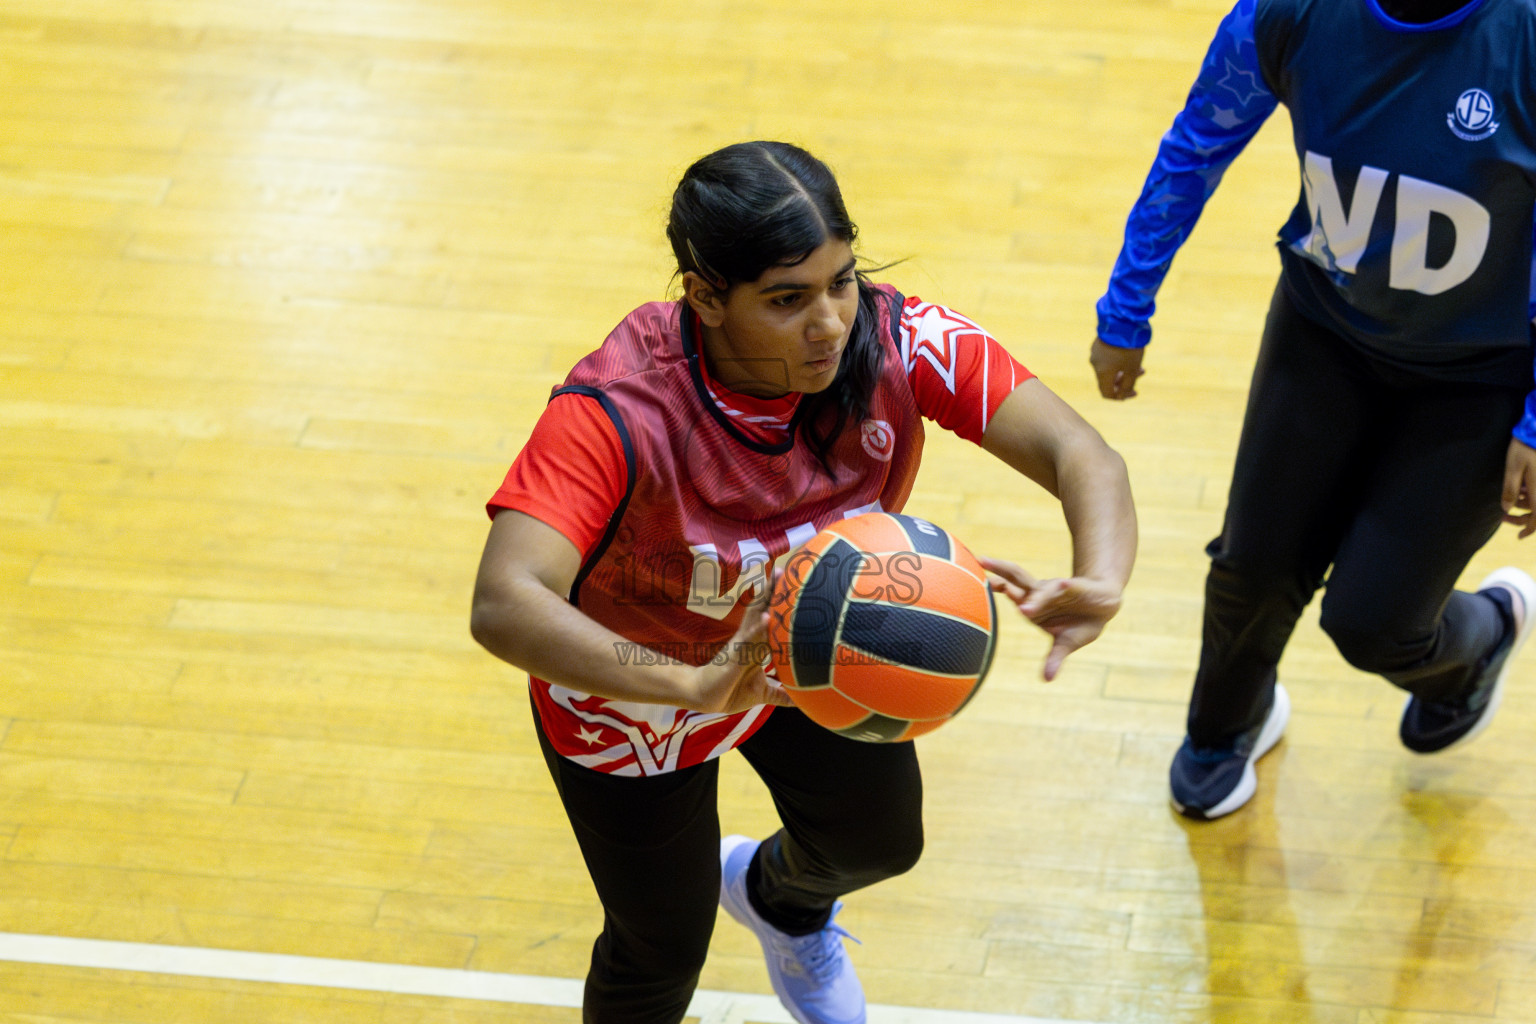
[
  {"x": 735, "y": 679},
  {"x": 1116, "y": 368},
  {"x": 1073, "y": 610},
  {"x": 1520, "y": 488}
]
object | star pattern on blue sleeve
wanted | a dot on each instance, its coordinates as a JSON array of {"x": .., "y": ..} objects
[
  {"x": 1239, "y": 24},
  {"x": 1242, "y": 83},
  {"x": 1203, "y": 141},
  {"x": 1226, "y": 118},
  {"x": 1211, "y": 176}
]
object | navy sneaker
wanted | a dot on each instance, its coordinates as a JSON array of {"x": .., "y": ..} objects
[
  {"x": 1208, "y": 782},
  {"x": 811, "y": 974},
  {"x": 1429, "y": 726}
]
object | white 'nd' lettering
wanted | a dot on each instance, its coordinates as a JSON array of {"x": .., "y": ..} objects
[
  {"x": 1338, "y": 237},
  {"x": 1416, "y": 200}
]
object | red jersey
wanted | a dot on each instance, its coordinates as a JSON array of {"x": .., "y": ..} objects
[{"x": 681, "y": 495}]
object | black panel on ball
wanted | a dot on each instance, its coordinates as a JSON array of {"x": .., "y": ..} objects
[
  {"x": 876, "y": 729},
  {"x": 926, "y": 539},
  {"x": 916, "y": 637},
  {"x": 818, "y": 607},
  {"x": 986, "y": 665}
]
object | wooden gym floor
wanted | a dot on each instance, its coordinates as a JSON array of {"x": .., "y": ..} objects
[{"x": 282, "y": 288}]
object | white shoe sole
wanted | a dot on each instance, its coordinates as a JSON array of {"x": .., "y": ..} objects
[
  {"x": 741, "y": 911},
  {"x": 1524, "y": 588},
  {"x": 1274, "y": 727}
]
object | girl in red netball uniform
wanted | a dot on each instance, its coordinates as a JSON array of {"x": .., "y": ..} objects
[{"x": 631, "y": 551}]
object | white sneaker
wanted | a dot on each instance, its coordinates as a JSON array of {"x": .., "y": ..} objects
[
  {"x": 811, "y": 974},
  {"x": 1208, "y": 782},
  {"x": 1429, "y": 727}
]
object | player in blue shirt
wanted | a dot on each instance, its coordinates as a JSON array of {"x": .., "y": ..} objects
[{"x": 1390, "y": 423}]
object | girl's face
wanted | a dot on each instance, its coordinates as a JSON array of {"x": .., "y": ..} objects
[{"x": 784, "y": 332}]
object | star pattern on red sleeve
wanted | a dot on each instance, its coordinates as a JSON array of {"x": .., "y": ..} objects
[
  {"x": 935, "y": 334},
  {"x": 959, "y": 373}
]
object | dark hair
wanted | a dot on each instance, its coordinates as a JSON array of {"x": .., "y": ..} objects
[{"x": 755, "y": 205}]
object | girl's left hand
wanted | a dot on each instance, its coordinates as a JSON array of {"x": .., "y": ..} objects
[
  {"x": 1073, "y": 610},
  {"x": 1520, "y": 488}
]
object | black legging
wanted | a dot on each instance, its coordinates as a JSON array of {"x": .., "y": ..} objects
[
  {"x": 1391, "y": 478},
  {"x": 852, "y": 815}
]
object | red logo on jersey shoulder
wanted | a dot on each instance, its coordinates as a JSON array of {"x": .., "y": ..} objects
[{"x": 879, "y": 439}]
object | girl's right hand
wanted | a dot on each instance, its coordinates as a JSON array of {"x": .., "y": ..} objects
[{"x": 1073, "y": 610}]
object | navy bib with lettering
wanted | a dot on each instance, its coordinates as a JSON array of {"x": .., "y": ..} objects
[{"x": 1413, "y": 232}]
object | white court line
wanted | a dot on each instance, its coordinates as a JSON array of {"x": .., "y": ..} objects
[{"x": 403, "y": 979}]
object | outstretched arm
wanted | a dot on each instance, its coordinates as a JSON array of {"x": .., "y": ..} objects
[
  {"x": 1039, "y": 435},
  {"x": 1227, "y": 105}
]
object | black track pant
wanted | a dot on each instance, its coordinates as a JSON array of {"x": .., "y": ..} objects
[
  {"x": 852, "y": 815},
  {"x": 1392, "y": 479}
]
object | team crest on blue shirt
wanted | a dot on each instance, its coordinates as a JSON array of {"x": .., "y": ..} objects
[{"x": 1472, "y": 117}]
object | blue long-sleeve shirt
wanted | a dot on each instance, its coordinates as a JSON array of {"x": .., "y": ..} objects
[{"x": 1432, "y": 260}]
